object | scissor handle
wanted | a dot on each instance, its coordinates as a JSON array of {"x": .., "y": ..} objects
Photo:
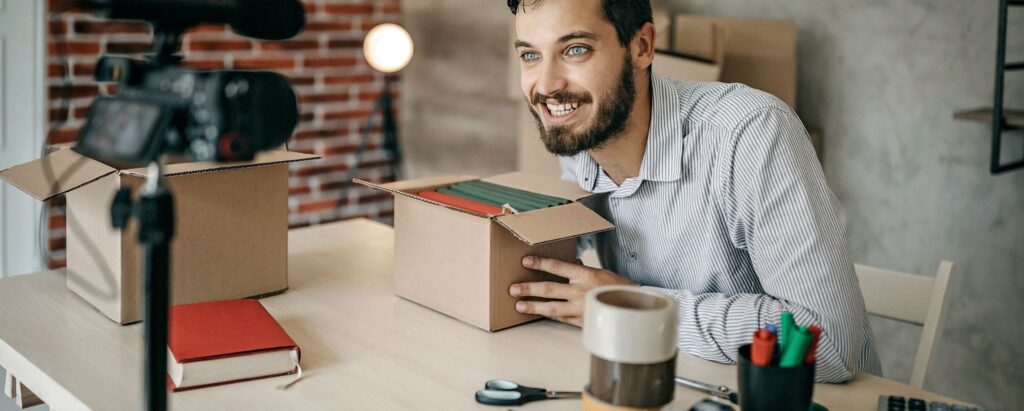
[
  {"x": 507, "y": 385},
  {"x": 500, "y": 384},
  {"x": 505, "y": 392},
  {"x": 499, "y": 397}
]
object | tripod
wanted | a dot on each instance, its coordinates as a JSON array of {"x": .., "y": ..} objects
[{"x": 155, "y": 211}]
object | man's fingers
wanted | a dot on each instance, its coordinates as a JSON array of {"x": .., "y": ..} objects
[
  {"x": 556, "y": 267},
  {"x": 546, "y": 289},
  {"x": 553, "y": 309},
  {"x": 577, "y": 321}
]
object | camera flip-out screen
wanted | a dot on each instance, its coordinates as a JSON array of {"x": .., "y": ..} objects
[{"x": 120, "y": 130}]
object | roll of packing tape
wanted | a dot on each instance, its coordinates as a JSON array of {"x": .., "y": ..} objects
[
  {"x": 590, "y": 403},
  {"x": 630, "y": 325}
]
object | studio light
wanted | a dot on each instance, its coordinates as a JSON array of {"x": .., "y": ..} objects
[{"x": 388, "y": 48}]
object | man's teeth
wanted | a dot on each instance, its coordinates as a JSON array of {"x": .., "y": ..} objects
[{"x": 559, "y": 110}]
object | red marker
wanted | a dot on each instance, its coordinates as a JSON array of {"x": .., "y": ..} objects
[
  {"x": 815, "y": 336},
  {"x": 762, "y": 347}
]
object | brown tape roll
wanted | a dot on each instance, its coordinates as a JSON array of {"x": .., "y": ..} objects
[
  {"x": 632, "y": 385},
  {"x": 593, "y": 404}
]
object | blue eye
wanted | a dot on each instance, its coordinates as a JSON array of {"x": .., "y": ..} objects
[
  {"x": 529, "y": 56},
  {"x": 577, "y": 51}
]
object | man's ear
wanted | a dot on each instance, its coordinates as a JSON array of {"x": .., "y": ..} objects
[{"x": 642, "y": 47}]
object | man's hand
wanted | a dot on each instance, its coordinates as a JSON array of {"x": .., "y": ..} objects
[{"x": 581, "y": 279}]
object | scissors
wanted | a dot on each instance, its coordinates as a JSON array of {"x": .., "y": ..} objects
[
  {"x": 725, "y": 392},
  {"x": 719, "y": 391},
  {"x": 505, "y": 392}
]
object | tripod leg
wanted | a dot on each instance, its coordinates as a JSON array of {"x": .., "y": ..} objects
[{"x": 156, "y": 228}]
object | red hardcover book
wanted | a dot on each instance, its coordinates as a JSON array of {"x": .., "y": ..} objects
[{"x": 222, "y": 342}]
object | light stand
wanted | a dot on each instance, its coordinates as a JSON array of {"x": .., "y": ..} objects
[
  {"x": 390, "y": 126},
  {"x": 388, "y": 48}
]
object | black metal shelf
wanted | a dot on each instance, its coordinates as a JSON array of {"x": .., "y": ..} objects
[
  {"x": 1012, "y": 119},
  {"x": 1001, "y": 119}
]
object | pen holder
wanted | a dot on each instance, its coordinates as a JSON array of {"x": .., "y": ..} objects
[{"x": 772, "y": 387}]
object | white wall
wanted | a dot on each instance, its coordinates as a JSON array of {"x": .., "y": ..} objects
[
  {"x": 21, "y": 129},
  {"x": 21, "y": 135}
]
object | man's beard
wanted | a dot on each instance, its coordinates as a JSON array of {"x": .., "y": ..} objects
[{"x": 609, "y": 122}]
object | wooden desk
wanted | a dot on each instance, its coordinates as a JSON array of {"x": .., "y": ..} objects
[{"x": 363, "y": 348}]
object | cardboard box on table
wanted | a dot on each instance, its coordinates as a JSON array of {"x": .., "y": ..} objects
[
  {"x": 231, "y": 228},
  {"x": 462, "y": 264}
]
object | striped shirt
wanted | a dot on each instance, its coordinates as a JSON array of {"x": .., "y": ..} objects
[{"x": 731, "y": 216}]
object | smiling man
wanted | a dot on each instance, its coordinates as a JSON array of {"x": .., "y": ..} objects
[{"x": 717, "y": 197}]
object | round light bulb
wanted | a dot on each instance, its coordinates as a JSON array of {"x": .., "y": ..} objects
[{"x": 388, "y": 47}]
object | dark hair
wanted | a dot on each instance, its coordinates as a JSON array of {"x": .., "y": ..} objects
[{"x": 628, "y": 16}]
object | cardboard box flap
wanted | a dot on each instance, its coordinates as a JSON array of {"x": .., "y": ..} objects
[
  {"x": 265, "y": 158},
  {"x": 554, "y": 223},
  {"x": 540, "y": 184},
  {"x": 55, "y": 174}
]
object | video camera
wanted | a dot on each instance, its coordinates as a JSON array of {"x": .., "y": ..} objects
[{"x": 165, "y": 107}]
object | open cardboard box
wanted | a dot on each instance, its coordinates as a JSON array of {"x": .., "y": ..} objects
[
  {"x": 231, "y": 231},
  {"x": 462, "y": 264}
]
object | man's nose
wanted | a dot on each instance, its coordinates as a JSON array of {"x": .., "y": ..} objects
[{"x": 552, "y": 79}]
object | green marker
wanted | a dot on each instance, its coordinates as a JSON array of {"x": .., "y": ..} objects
[
  {"x": 786, "y": 328},
  {"x": 793, "y": 354}
]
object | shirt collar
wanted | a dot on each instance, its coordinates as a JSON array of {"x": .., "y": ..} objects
[{"x": 664, "y": 140}]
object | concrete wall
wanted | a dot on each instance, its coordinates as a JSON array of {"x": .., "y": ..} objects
[
  {"x": 457, "y": 116},
  {"x": 881, "y": 78}
]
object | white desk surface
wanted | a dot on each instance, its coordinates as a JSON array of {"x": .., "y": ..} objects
[{"x": 363, "y": 348}]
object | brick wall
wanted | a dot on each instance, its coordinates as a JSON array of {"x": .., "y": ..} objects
[{"x": 336, "y": 91}]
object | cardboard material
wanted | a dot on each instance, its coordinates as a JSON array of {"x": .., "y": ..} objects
[
  {"x": 231, "y": 228},
  {"x": 662, "y": 26},
  {"x": 532, "y": 156},
  {"x": 553, "y": 224},
  {"x": 681, "y": 67},
  {"x": 462, "y": 264},
  {"x": 760, "y": 53}
]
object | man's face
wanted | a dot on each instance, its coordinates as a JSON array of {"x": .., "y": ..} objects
[{"x": 577, "y": 77}]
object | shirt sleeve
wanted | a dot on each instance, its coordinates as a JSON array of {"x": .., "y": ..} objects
[{"x": 779, "y": 209}]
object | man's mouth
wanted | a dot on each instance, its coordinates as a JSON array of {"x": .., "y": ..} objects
[{"x": 561, "y": 110}]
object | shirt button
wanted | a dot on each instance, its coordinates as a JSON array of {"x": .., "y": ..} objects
[{"x": 632, "y": 254}]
